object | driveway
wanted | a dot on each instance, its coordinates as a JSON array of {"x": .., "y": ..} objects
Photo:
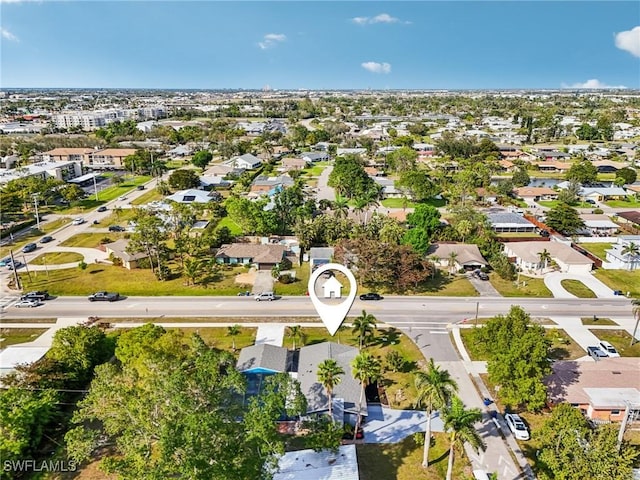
[
  {"x": 385, "y": 425},
  {"x": 553, "y": 283},
  {"x": 483, "y": 287},
  {"x": 325, "y": 192},
  {"x": 263, "y": 282}
]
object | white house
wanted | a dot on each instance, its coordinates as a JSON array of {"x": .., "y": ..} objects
[
  {"x": 623, "y": 255},
  {"x": 332, "y": 288},
  {"x": 526, "y": 255},
  {"x": 246, "y": 161}
]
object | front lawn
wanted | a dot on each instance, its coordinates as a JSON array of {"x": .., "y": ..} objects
[
  {"x": 399, "y": 386},
  {"x": 577, "y": 288},
  {"x": 151, "y": 196},
  {"x": 554, "y": 203},
  {"x": 597, "y": 321},
  {"x": 403, "y": 460},
  {"x": 91, "y": 240},
  {"x": 233, "y": 227},
  {"x": 623, "y": 280},
  {"x": 299, "y": 287},
  {"x": 598, "y": 249},
  {"x": 219, "y": 337},
  {"x": 534, "y": 287},
  {"x": 136, "y": 282},
  {"x": 621, "y": 340},
  {"x": 106, "y": 195},
  {"x": 445, "y": 286},
  {"x": 56, "y": 258},
  {"x": 14, "y": 336},
  {"x": 631, "y": 203}
]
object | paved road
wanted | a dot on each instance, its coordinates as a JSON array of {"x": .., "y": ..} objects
[
  {"x": 325, "y": 192},
  {"x": 402, "y": 312}
]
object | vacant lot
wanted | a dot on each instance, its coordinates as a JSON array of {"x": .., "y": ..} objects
[
  {"x": 598, "y": 249},
  {"x": 56, "y": 258},
  {"x": 623, "y": 280}
]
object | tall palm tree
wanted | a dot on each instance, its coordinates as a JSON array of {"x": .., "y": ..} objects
[
  {"x": 435, "y": 388},
  {"x": 340, "y": 206},
  {"x": 451, "y": 259},
  {"x": 295, "y": 333},
  {"x": 636, "y": 313},
  {"x": 364, "y": 327},
  {"x": 329, "y": 376},
  {"x": 233, "y": 331},
  {"x": 460, "y": 423},
  {"x": 632, "y": 250},
  {"x": 360, "y": 206},
  {"x": 366, "y": 369},
  {"x": 545, "y": 257}
]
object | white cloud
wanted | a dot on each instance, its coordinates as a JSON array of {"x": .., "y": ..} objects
[
  {"x": 591, "y": 83},
  {"x": 7, "y": 35},
  {"x": 270, "y": 40},
  {"x": 380, "y": 18},
  {"x": 629, "y": 41},
  {"x": 376, "y": 67}
]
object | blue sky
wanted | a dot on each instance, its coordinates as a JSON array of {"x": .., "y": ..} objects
[{"x": 319, "y": 45}]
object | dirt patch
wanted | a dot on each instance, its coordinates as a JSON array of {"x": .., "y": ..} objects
[{"x": 248, "y": 278}]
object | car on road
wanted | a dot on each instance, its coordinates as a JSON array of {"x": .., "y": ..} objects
[
  {"x": 46, "y": 239},
  {"x": 15, "y": 265},
  {"x": 28, "y": 303},
  {"x": 104, "y": 297},
  {"x": 5, "y": 261},
  {"x": 102, "y": 208},
  {"x": 29, "y": 247},
  {"x": 78, "y": 221},
  {"x": 609, "y": 349},
  {"x": 596, "y": 353},
  {"x": 36, "y": 295},
  {"x": 122, "y": 198},
  {"x": 116, "y": 228},
  {"x": 265, "y": 296},
  {"x": 371, "y": 296},
  {"x": 140, "y": 187},
  {"x": 517, "y": 426}
]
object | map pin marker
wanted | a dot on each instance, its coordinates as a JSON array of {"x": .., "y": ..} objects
[{"x": 332, "y": 315}]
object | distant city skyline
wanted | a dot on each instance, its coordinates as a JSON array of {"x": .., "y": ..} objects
[{"x": 327, "y": 45}]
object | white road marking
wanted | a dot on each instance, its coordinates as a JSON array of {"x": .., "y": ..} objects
[
  {"x": 441, "y": 332},
  {"x": 219, "y": 305},
  {"x": 133, "y": 305}
]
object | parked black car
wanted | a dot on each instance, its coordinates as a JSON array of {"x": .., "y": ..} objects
[
  {"x": 104, "y": 297},
  {"x": 371, "y": 296},
  {"x": 116, "y": 228},
  {"x": 102, "y": 208},
  {"x": 37, "y": 295}
]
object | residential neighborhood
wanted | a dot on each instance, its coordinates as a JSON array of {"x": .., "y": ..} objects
[{"x": 497, "y": 259}]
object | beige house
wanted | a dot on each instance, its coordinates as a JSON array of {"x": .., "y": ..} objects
[
  {"x": 293, "y": 164},
  {"x": 602, "y": 390},
  {"x": 526, "y": 255},
  {"x": 119, "y": 250},
  {"x": 109, "y": 157},
  {"x": 536, "y": 193},
  {"x": 263, "y": 256},
  {"x": 68, "y": 155},
  {"x": 467, "y": 255}
]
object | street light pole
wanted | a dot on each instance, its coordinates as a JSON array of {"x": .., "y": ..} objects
[
  {"x": 95, "y": 186},
  {"x": 35, "y": 202}
]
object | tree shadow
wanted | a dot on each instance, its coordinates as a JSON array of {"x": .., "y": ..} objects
[{"x": 93, "y": 272}]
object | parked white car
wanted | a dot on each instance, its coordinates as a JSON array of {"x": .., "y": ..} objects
[
  {"x": 609, "y": 349},
  {"x": 517, "y": 426},
  {"x": 29, "y": 303}
]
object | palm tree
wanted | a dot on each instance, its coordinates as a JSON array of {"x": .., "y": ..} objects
[
  {"x": 464, "y": 228},
  {"x": 364, "y": 327},
  {"x": 452, "y": 260},
  {"x": 360, "y": 206},
  {"x": 192, "y": 269},
  {"x": 329, "y": 376},
  {"x": 340, "y": 206},
  {"x": 460, "y": 423},
  {"x": 366, "y": 369},
  {"x": 544, "y": 257},
  {"x": 632, "y": 250},
  {"x": 233, "y": 331},
  {"x": 435, "y": 388},
  {"x": 295, "y": 333},
  {"x": 435, "y": 259},
  {"x": 636, "y": 313}
]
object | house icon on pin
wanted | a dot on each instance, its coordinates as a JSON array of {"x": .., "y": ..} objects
[{"x": 332, "y": 288}]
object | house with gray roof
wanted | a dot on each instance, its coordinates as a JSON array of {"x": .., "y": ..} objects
[
  {"x": 320, "y": 256},
  {"x": 315, "y": 156},
  {"x": 468, "y": 255},
  {"x": 246, "y": 161},
  {"x": 263, "y": 358},
  {"x": 119, "y": 250},
  {"x": 263, "y": 256},
  {"x": 510, "y": 222}
]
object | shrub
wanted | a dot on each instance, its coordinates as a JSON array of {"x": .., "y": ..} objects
[
  {"x": 82, "y": 265},
  {"x": 394, "y": 361},
  {"x": 286, "y": 278}
]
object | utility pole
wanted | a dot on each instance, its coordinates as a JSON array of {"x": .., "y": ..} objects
[
  {"x": 26, "y": 268},
  {"x": 15, "y": 273},
  {"x": 95, "y": 186},
  {"x": 623, "y": 425},
  {"x": 35, "y": 202},
  {"x": 475, "y": 324},
  {"x": 635, "y": 329}
]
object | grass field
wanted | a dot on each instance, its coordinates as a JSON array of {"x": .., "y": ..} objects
[
  {"x": 127, "y": 282},
  {"x": 623, "y": 280},
  {"x": 441, "y": 285},
  {"x": 117, "y": 217},
  {"x": 150, "y": 196},
  {"x": 599, "y": 321},
  {"x": 104, "y": 196},
  {"x": 598, "y": 249},
  {"x": 219, "y": 337},
  {"x": 403, "y": 461},
  {"x": 534, "y": 287},
  {"x": 621, "y": 340},
  {"x": 33, "y": 235},
  {"x": 90, "y": 240},
  {"x": 577, "y": 288},
  {"x": 14, "y": 336},
  {"x": 56, "y": 258},
  {"x": 631, "y": 203},
  {"x": 554, "y": 203},
  {"x": 233, "y": 227},
  {"x": 299, "y": 287}
]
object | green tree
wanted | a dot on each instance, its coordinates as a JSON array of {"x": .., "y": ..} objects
[
  {"x": 545, "y": 257},
  {"x": 582, "y": 171},
  {"x": 324, "y": 434},
  {"x": 149, "y": 237},
  {"x": 193, "y": 268},
  {"x": 72, "y": 192},
  {"x": 329, "y": 375},
  {"x": 202, "y": 158},
  {"x": 520, "y": 178},
  {"x": 296, "y": 334},
  {"x": 631, "y": 251},
  {"x": 435, "y": 389},
  {"x": 425, "y": 222},
  {"x": 418, "y": 184},
  {"x": 364, "y": 327},
  {"x": 629, "y": 175},
  {"x": 138, "y": 163},
  {"x": 402, "y": 160},
  {"x": 570, "y": 194},
  {"x": 349, "y": 178},
  {"x": 184, "y": 179},
  {"x": 78, "y": 349},
  {"x": 459, "y": 422},
  {"x": 366, "y": 369},
  {"x": 564, "y": 219}
]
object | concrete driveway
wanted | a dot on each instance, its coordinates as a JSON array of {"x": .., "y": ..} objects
[
  {"x": 385, "y": 425},
  {"x": 483, "y": 287},
  {"x": 553, "y": 283},
  {"x": 263, "y": 282},
  {"x": 325, "y": 192}
]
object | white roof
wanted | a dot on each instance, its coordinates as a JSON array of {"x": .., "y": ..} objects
[
  {"x": 310, "y": 465},
  {"x": 14, "y": 355},
  {"x": 600, "y": 224},
  {"x": 613, "y": 397}
]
